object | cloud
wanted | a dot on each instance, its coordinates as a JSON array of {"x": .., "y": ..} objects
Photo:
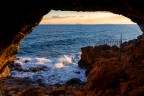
[
  {"x": 57, "y": 16},
  {"x": 86, "y": 18}
]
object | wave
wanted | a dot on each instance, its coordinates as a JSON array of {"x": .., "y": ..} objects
[{"x": 56, "y": 71}]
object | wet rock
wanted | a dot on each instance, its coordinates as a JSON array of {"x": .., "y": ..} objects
[
  {"x": 18, "y": 67},
  {"x": 37, "y": 69},
  {"x": 21, "y": 23},
  {"x": 15, "y": 66},
  {"x": 74, "y": 81},
  {"x": 17, "y": 58},
  {"x": 87, "y": 72},
  {"x": 77, "y": 72},
  {"x": 26, "y": 61}
]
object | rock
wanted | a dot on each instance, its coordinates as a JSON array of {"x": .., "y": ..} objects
[
  {"x": 57, "y": 92},
  {"x": 87, "y": 72},
  {"x": 1, "y": 90},
  {"x": 104, "y": 76},
  {"x": 16, "y": 27},
  {"x": 37, "y": 69},
  {"x": 17, "y": 58},
  {"x": 26, "y": 61},
  {"x": 18, "y": 67},
  {"x": 91, "y": 56},
  {"x": 74, "y": 81},
  {"x": 111, "y": 76},
  {"x": 25, "y": 16},
  {"x": 77, "y": 72},
  {"x": 15, "y": 66},
  {"x": 33, "y": 91}
]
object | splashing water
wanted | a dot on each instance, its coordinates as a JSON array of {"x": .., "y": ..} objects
[{"x": 58, "y": 71}]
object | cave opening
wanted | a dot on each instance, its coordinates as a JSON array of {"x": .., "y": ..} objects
[
  {"x": 50, "y": 54},
  {"x": 37, "y": 66}
]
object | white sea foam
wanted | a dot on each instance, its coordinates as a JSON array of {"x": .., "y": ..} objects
[{"x": 59, "y": 69}]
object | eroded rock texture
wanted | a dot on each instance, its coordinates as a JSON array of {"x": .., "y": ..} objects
[
  {"x": 115, "y": 75},
  {"x": 18, "y": 18},
  {"x": 111, "y": 71}
]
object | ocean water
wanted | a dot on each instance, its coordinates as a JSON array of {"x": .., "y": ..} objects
[{"x": 58, "y": 48}]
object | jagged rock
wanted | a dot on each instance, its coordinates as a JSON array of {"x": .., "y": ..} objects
[
  {"x": 36, "y": 69},
  {"x": 74, "y": 81},
  {"x": 26, "y": 61},
  {"x": 107, "y": 77},
  {"x": 33, "y": 91},
  {"x": 77, "y": 72},
  {"x": 91, "y": 56},
  {"x": 18, "y": 67},
  {"x": 18, "y": 18},
  {"x": 15, "y": 27},
  {"x": 123, "y": 76}
]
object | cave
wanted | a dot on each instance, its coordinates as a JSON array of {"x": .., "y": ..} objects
[
  {"x": 19, "y": 18},
  {"x": 17, "y": 24}
]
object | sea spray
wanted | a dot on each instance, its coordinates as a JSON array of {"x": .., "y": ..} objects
[
  {"x": 58, "y": 71},
  {"x": 50, "y": 53}
]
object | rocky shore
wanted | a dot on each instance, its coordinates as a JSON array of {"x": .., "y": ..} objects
[
  {"x": 108, "y": 74},
  {"x": 111, "y": 71},
  {"x": 115, "y": 71},
  {"x": 25, "y": 87}
]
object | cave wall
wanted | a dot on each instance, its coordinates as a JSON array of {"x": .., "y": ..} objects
[{"x": 18, "y": 18}]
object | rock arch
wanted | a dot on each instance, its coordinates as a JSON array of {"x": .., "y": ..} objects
[{"x": 18, "y": 18}]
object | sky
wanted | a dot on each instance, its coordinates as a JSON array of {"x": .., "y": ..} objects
[{"x": 73, "y": 17}]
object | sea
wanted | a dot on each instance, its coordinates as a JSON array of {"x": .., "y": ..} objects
[{"x": 58, "y": 48}]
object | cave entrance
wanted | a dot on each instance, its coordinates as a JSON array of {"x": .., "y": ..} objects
[{"x": 52, "y": 50}]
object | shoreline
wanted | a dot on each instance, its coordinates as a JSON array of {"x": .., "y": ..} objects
[{"x": 107, "y": 74}]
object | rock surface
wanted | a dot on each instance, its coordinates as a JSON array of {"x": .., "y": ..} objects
[
  {"x": 18, "y": 18},
  {"x": 115, "y": 75},
  {"x": 25, "y": 87}
]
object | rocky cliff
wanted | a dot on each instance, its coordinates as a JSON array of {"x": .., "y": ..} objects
[
  {"x": 115, "y": 71},
  {"x": 111, "y": 71},
  {"x": 18, "y": 18}
]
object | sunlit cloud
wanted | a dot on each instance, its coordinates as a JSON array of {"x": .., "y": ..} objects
[{"x": 59, "y": 17}]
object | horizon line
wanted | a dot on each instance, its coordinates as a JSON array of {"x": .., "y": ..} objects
[{"x": 87, "y": 24}]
